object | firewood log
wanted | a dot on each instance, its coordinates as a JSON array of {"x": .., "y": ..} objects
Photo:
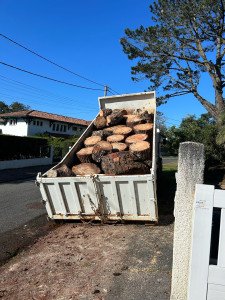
[
  {"x": 140, "y": 150},
  {"x": 115, "y": 118},
  {"x": 105, "y": 112},
  {"x": 109, "y": 130},
  {"x": 125, "y": 131},
  {"x": 63, "y": 171},
  {"x": 146, "y": 128},
  {"x": 85, "y": 155},
  {"x": 100, "y": 122},
  {"x": 98, "y": 133},
  {"x": 135, "y": 138},
  {"x": 133, "y": 120},
  {"x": 147, "y": 115},
  {"x": 119, "y": 147},
  {"x": 116, "y": 138},
  {"x": 91, "y": 141},
  {"x": 119, "y": 163},
  {"x": 100, "y": 149},
  {"x": 86, "y": 169}
]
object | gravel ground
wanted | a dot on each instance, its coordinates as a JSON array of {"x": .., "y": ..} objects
[{"x": 93, "y": 261}]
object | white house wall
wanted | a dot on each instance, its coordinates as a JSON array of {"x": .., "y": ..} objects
[
  {"x": 18, "y": 128},
  {"x": 21, "y": 128}
]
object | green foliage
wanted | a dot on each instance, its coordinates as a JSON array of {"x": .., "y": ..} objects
[
  {"x": 15, "y": 106},
  {"x": 202, "y": 130},
  {"x": 60, "y": 145},
  {"x": 173, "y": 53},
  {"x": 17, "y": 147}
]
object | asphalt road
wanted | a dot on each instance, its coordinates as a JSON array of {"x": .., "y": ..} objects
[
  {"x": 169, "y": 159},
  {"x": 20, "y": 202}
]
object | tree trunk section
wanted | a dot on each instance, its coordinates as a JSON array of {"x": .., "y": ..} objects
[
  {"x": 86, "y": 169},
  {"x": 63, "y": 171},
  {"x": 140, "y": 150},
  {"x": 91, "y": 141},
  {"x": 100, "y": 122},
  {"x": 146, "y": 128},
  {"x": 125, "y": 131},
  {"x": 100, "y": 149},
  {"x": 122, "y": 163},
  {"x": 99, "y": 133},
  {"x": 119, "y": 147},
  {"x": 116, "y": 138},
  {"x": 135, "y": 138},
  {"x": 105, "y": 112},
  {"x": 115, "y": 118},
  {"x": 85, "y": 155}
]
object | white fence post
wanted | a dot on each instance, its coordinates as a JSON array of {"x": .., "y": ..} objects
[
  {"x": 190, "y": 172},
  {"x": 200, "y": 251}
]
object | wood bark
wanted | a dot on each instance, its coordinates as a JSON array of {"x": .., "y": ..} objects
[
  {"x": 105, "y": 112},
  {"x": 86, "y": 169},
  {"x": 123, "y": 130},
  {"x": 91, "y": 141},
  {"x": 99, "y": 133},
  {"x": 133, "y": 120},
  {"x": 119, "y": 147},
  {"x": 135, "y": 138},
  {"x": 146, "y": 128},
  {"x": 147, "y": 116},
  {"x": 140, "y": 150},
  {"x": 116, "y": 138},
  {"x": 85, "y": 155},
  {"x": 122, "y": 163},
  {"x": 100, "y": 122},
  {"x": 100, "y": 149},
  {"x": 115, "y": 118},
  {"x": 63, "y": 171}
]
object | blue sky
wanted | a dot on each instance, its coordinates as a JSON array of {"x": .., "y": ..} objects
[{"x": 82, "y": 36}]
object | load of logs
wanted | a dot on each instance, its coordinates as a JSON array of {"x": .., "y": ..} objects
[{"x": 120, "y": 144}]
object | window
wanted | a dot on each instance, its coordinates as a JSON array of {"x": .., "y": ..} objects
[
  {"x": 64, "y": 128},
  {"x": 12, "y": 122},
  {"x": 75, "y": 128},
  {"x": 34, "y": 122},
  {"x": 53, "y": 127},
  {"x": 57, "y": 127},
  {"x": 61, "y": 128},
  {"x": 41, "y": 123},
  {"x": 37, "y": 123}
]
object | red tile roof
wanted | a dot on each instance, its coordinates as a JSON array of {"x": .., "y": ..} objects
[{"x": 44, "y": 115}]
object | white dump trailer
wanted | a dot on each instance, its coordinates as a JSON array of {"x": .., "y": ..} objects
[{"x": 103, "y": 197}]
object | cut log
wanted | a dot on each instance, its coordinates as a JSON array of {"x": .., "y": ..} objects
[
  {"x": 105, "y": 112},
  {"x": 130, "y": 111},
  {"x": 92, "y": 140},
  {"x": 133, "y": 120},
  {"x": 140, "y": 150},
  {"x": 86, "y": 169},
  {"x": 100, "y": 122},
  {"x": 116, "y": 138},
  {"x": 119, "y": 147},
  {"x": 122, "y": 163},
  {"x": 115, "y": 118},
  {"x": 63, "y": 171},
  {"x": 147, "y": 115},
  {"x": 146, "y": 128},
  {"x": 100, "y": 149},
  {"x": 99, "y": 133},
  {"x": 123, "y": 130},
  {"x": 109, "y": 130},
  {"x": 135, "y": 138},
  {"x": 84, "y": 155}
]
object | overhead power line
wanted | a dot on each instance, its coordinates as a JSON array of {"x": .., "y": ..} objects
[
  {"x": 50, "y": 61},
  {"x": 45, "y": 77}
]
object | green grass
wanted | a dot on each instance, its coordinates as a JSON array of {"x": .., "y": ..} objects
[{"x": 172, "y": 166}]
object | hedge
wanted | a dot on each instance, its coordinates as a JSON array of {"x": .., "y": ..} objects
[{"x": 17, "y": 147}]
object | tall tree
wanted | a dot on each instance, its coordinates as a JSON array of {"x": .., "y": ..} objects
[
  {"x": 187, "y": 39},
  {"x": 17, "y": 106},
  {"x": 4, "y": 108}
]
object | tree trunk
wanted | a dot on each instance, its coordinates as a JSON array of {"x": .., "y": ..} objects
[
  {"x": 140, "y": 150},
  {"x": 100, "y": 122},
  {"x": 63, "y": 171},
  {"x": 146, "y": 128},
  {"x": 86, "y": 169},
  {"x": 125, "y": 131},
  {"x": 115, "y": 118},
  {"x": 135, "y": 138},
  {"x": 119, "y": 147},
  {"x": 91, "y": 141},
  {"x": 100, "y": 149},
  {"x": 122, "y": 163},
  {"x": 105, "y": 112},
  {"x": 116, "y": 138},
  {"x": 85, "y": 155}
]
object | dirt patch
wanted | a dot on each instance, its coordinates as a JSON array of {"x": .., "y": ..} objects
[{"x": 84, "y": 261}]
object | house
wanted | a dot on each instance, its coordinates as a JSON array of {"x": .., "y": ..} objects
[{"x": 31, "y": 122}]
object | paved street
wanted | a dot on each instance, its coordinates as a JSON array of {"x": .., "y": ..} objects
[
  {"x": 169, "y": 159},
  {"x": 22, "y": 215},
  {"x": 19, "y": 203}
]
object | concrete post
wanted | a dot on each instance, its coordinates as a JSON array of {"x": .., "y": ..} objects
[{"x": 190, "y": 172}]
